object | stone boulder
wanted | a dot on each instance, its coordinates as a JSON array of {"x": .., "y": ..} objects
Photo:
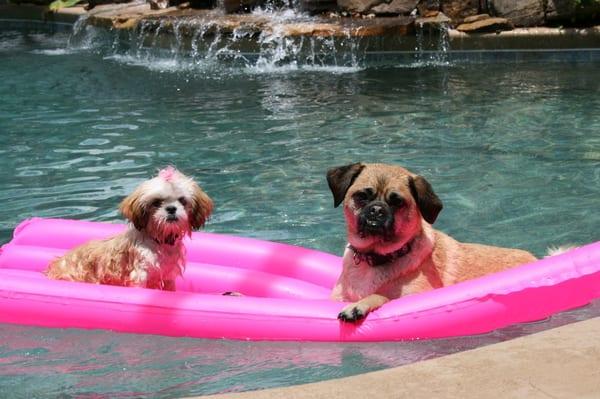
[
  {"x": 232, "y": 6},
  {"x": 458, "y": 10},
  {"x": 430, "y": 21},
  {"x": 475, "y": 18},
  {"x": 486, "y": 25},
  {"x": 397, "y": 7},
  {"x": 572, "y": 11},
  {"x": 520, "y": 12},
  {"x": 317, "y": 6}
]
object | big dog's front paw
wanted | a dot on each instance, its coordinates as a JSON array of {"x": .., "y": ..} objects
[
  {"x": 354, "y": 312},
  {"x": 359, "y": 310}
]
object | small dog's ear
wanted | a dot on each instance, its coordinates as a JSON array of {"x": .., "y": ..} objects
[
  {"x": 134, "y": 210},
  {"x": 429, "y": 203},
  {"x": 341, "y": 178},
  {"x": 202, "y": 207}
]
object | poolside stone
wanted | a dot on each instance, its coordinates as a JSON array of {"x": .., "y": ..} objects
[
  {"x": 395, "y": 7},
  {"x": 486, "y": 25},
  {"x": 520, "y": 12},
  {"x": 367, "y": 6},
  {"x": 317, "y": 6},
  {"x": 158, "y": 4},
  {"x": 458, "y": 10},
  {"x": 189, "y": 21},
  {"x": 440, "y": 19},
  {"x": 558, "y": 11},
  {"x": 231, "y": 6},
  {"x": 475, "y": 18},
  {"x": 122, "y": 16}
]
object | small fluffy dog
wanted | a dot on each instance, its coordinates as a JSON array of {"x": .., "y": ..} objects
[
  {"x": 150, "y": 252},
  {"x": 393, "y": 250}
]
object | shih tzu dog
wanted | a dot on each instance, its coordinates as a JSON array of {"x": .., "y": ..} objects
[{"x": 150, "y": 253}]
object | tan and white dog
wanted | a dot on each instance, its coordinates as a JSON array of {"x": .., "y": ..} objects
[
  {"x": 150, "y": 253},
  {"x": 393, "y": 250}
]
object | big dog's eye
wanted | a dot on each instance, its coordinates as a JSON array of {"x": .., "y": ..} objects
[
  {"x": 182, "y": 201},
  {"x": 362, "y": 197},
  {"x": 395, "y": 199},
  {"x": 157, "y": 203}
]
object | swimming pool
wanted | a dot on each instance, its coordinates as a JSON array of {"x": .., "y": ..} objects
[{"x": 513, "y": 150}]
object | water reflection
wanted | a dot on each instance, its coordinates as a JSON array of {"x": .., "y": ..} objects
[{"x": 49, "y": 362}]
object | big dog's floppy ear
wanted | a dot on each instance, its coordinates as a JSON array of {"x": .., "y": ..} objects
[
  {"x": 429, "y": 203},
  {"x": 341, "y": 178}
]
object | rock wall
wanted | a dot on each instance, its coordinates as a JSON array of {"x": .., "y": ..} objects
[
  {"x": 525, "y": 13},
  {"x": 458, "y": 10},
  {"x": 397, "y": 7},
  {"x": 518, "y": 12},
  {"x": 573, "y": 11}
]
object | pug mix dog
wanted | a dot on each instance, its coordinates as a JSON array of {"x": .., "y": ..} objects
[{"x": 393, "y": 250}]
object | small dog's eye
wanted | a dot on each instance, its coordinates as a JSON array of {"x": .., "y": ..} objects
[
  {"x": 157, "y": 203},
  {"x": 182, "y": 201},
  {"x": 396, "y": 200}
]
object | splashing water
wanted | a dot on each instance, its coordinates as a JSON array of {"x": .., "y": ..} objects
[
  {"x": 272, "y": 41},
  {"x": 433, "y": 45}
]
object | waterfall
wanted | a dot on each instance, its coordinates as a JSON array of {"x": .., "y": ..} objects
[
  {"x": 266, "y": 40},
  {"x": 432, "y": 44}
]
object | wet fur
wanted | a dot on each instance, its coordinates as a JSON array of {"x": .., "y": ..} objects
[
  {"x": 150, "y": 253},
  {"x": 435, "y": 259}
]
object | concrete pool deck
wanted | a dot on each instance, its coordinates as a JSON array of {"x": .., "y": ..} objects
[{"x": 560, "y": 363}]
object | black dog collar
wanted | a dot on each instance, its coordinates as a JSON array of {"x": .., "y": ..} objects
[{"x": 375, "y": 259}]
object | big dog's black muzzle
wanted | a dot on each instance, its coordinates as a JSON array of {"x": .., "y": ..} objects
[{"x": 376, "y": 218}]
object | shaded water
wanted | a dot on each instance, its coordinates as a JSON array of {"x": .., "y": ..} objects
[{"x": 512, "y": 150}]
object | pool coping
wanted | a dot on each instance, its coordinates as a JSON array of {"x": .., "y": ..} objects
[{"x": 557, "y": 363}]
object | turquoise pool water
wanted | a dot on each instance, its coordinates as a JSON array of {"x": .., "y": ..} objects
[{"x": 513, "y": 150}]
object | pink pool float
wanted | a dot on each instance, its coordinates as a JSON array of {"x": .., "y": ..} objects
[{"x": 286, "y": 292}]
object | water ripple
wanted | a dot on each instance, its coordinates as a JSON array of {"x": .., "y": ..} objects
[{"x": 116, "y": 127}]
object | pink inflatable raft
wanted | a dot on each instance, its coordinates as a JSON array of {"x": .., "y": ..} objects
[{"x": 286, "y": 292}]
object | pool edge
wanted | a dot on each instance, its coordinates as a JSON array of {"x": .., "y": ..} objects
[{"x": 561, "y": 362}]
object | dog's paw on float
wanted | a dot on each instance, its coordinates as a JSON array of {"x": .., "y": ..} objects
[
  {"x": 353, "y": 313},
  {"x": 232, "y": 293}
]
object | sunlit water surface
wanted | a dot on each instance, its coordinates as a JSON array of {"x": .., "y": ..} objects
[{"x": 513, "y": 150}]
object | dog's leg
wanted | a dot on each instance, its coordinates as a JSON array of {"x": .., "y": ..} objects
[
  {"x": 359, "y": 310},
  {"x": 138, "y": 277},
  {"x": 169, "y": 285}
]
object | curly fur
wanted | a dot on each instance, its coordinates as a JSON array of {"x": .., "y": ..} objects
[{"x": 150, "y": 253}]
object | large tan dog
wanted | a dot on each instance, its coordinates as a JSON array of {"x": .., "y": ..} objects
[{"x": 393, "y": 250}]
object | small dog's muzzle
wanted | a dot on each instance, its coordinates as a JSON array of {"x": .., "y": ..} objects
[{"x": 171, "y": 213}]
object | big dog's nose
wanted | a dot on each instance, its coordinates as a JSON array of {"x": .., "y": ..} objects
[{"x": 377, "y": 214}]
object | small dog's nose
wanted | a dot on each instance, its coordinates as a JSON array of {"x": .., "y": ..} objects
[{"x": 171, "y": 209}]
